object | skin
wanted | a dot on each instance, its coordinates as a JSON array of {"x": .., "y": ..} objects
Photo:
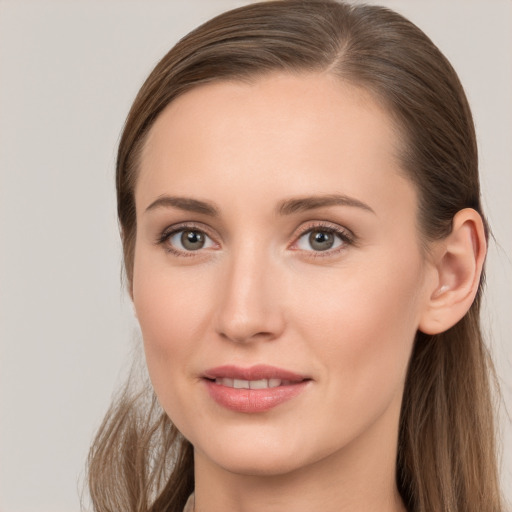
[{"x": 259, "y": 293}]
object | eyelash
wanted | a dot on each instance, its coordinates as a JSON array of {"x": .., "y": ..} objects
[
  {"x": 169, "y": 232},
  {"x": 346, "y": 237}
]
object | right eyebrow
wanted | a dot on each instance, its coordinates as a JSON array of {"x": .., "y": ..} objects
[{"x": 184, "y": 203}]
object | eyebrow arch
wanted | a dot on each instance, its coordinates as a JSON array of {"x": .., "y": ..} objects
[
  {"x": 302, "y": 204},
  {"x": 184, "y": 203}
]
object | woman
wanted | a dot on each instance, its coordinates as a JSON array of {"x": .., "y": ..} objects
[{"x": 304, "y": 245}]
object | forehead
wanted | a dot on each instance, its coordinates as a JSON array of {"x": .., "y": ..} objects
[{"x": 282, "y": 132}]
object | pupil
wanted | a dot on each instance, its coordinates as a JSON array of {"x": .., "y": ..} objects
[
  {"x": 321, "y": 240},
  {"x": 192, "y": 240}
]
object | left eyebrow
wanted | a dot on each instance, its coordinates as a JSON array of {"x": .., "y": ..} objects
[{"x": 301, "y": 204}]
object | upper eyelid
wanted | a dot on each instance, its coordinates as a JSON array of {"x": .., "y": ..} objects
[
  {"x": 323, "y": 224},
  {"x": 327, "y": 226},
  {"x": 183, "y": 226}
]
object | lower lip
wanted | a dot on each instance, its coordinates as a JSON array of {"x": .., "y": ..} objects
[{"x": 253, "y": 400}]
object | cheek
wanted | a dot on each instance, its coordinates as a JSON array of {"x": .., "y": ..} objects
[
  {"x": 171, "y": 307},
  {"x": 365, "y": 321}
]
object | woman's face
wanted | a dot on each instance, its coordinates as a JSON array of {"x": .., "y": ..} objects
[{"x": 277, "y": 250}]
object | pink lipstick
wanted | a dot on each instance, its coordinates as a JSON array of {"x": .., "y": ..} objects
[{"x": 255, "y": 389}]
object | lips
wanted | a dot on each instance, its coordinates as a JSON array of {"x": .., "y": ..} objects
[
  {"x": 252, "y": 384},
  {"x": 255, "y": 389}
]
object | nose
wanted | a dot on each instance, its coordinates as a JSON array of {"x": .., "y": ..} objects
[{"x": 250, "y": 302}]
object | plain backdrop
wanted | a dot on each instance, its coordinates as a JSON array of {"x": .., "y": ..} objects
[{"x": 69, "y": 70}]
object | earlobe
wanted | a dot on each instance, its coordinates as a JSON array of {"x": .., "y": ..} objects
[{"x": 458, "y": 264}]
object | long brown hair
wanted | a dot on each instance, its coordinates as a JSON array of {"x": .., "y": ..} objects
[{"x": 446, "y": 459}]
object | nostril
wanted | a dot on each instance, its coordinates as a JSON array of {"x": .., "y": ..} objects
[{"x": 238, "y": 337}]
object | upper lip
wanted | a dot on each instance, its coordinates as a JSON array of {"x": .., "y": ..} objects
[{"x": 257, "y": 372}]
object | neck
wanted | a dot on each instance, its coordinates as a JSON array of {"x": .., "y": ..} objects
[{"x": 360, "y": 477}]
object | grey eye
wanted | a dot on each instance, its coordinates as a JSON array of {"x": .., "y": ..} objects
[
  {"x": 319, "y": 240},
  {"x": 190, "y": 240}
]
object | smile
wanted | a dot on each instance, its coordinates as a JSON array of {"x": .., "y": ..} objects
[
  {"x": 252, "y": 384},
  {"x": 253, "y": 390}
]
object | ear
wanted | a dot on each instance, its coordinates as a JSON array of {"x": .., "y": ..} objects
[{"x": 458, "y": 262}]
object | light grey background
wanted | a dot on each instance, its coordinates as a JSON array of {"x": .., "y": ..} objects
[{"x": 69, "y": 70}]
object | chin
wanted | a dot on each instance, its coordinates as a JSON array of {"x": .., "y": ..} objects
[
  {"x": 262, "y": 456},
  {"x": 261, "y": 464}
]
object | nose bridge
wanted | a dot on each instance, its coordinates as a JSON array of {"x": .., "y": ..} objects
[{"x": 249, "y": 305}]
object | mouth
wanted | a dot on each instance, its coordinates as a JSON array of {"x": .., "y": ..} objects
[
  {"x": 252, "y": 384},
  {"x": 255, "y": 389},
  {"x": 257, "y": 373}
]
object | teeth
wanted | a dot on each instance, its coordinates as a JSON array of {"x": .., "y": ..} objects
[
  {"x": 273, "y": 383},
  {"x": 240, "y": 384},
  {"x": 258, "y": 384},
  {"x": 251, "y": 384}
]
